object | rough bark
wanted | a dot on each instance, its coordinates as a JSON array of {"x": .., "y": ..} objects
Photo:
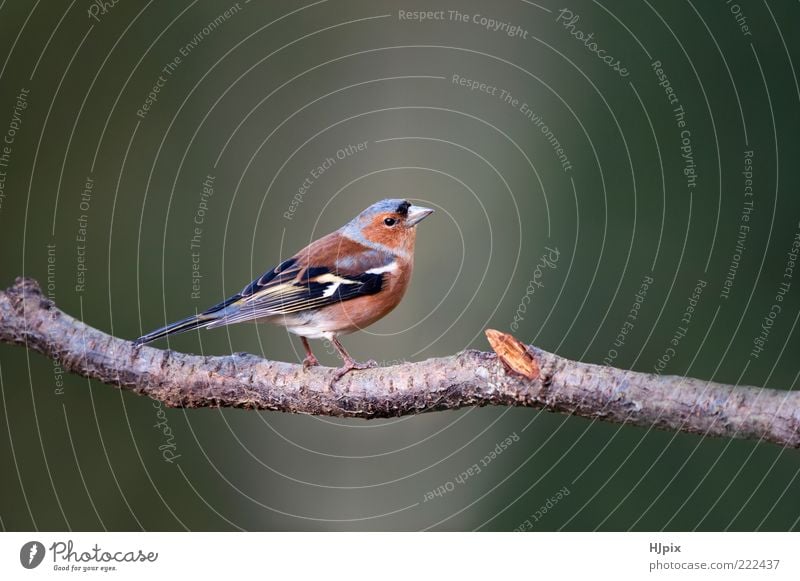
[{"x": 515, "y": 374}]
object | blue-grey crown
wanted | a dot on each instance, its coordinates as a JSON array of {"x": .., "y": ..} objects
[
  {"x": 391, "y": 205},
  {"x": 353, "y": 228}
]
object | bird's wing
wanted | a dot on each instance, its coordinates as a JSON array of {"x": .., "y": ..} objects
[{"x": 329, "y": 271}]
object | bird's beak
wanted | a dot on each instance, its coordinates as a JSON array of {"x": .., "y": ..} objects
[{"x": 417, "y": 214}]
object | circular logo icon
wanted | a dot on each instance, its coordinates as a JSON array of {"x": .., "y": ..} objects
[{"x": 31, "y": 554}]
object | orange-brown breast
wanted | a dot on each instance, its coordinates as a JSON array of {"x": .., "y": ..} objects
[{"x": 355, "y": 314}]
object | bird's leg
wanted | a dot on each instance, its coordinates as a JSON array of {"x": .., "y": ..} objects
[
  {"x": 310, "y": 360},
  {"x": 349, "y": 363}
]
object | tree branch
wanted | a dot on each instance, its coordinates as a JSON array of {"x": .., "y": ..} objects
[{"x": 520, "y": 376}]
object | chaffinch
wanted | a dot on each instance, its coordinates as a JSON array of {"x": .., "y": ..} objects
[{"x": 336, "y": 285}]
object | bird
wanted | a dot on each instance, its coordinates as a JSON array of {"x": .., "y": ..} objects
[{"x": 338, "y": 284}]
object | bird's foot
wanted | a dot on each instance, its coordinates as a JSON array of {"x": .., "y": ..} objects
[
  {"x": 310, "y": 361},
  {"x": 351, "y": 366}
]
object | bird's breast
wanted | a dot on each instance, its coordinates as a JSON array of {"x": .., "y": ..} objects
[{"x": 355, "y": 314}]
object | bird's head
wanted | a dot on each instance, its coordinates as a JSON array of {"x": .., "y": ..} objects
[{"x": 389, "y": 223}]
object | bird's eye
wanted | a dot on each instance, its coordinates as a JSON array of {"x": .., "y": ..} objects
[{"x": 389, "y": 221}]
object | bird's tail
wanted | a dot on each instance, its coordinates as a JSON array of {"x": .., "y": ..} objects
[{"x": 187, "y": 324}]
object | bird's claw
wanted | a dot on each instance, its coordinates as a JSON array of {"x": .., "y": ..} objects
[
  {"x": 310, "y": 361},
  {"x": 351, "y": 366}
]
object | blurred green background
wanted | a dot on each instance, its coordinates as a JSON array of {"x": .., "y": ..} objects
[{"x": 557, "y": 153}]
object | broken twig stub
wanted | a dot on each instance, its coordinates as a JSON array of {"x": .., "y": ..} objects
[{"x": 513, "y": 353}]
